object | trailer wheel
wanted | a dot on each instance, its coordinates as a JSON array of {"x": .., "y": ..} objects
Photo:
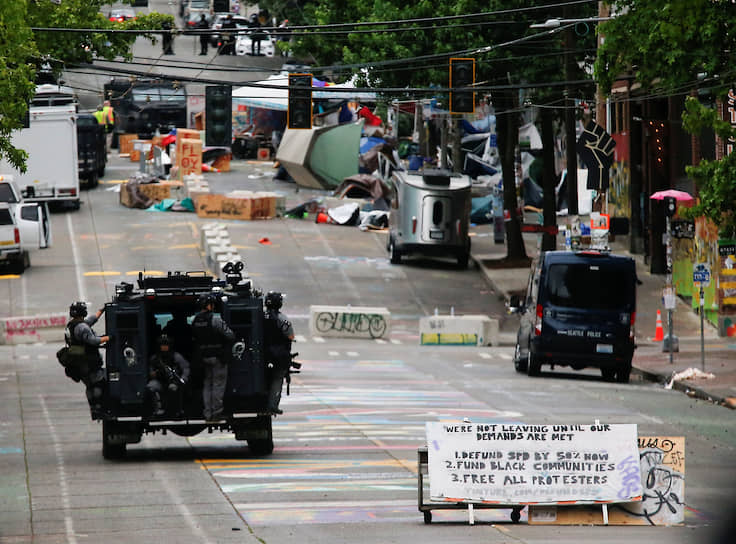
[
  {"x": 427, "y": 517},
  {"x": 395, "y": 253},
  {"x": 515, "y": 515}
]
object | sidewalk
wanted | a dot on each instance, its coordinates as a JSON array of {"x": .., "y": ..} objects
[{"x": 649, "y": 363}]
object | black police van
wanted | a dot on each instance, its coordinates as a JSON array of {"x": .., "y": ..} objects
[
  {"x": 579, "y": 311},
  {"x": 91, "y": 149},
  {"x": 167, "y": 304}
]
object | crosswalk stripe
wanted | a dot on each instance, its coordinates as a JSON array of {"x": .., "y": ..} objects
[
  {"x": 381, "y": 341},
  {"x": 333, "y": 353},
  {"x": 318, "y": 339},
  {"x": 395, "y": 341},
  {"x": 484, "y": 355},
  {"x": 300, "y": 338}
]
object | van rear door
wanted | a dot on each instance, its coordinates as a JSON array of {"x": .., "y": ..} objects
[{"x": 587, "y": 306}]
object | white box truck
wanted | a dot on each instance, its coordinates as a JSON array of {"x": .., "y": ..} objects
[{"x": 52, "y": 173}]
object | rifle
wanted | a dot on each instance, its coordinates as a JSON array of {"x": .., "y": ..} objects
[{"x": 292, "y": 364}]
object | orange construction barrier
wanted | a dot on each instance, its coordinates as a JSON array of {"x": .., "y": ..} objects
[{"x": 659, "y": 332}]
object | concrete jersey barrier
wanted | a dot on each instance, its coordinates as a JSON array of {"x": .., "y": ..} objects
[
  {"x": 349, "y": 321},
  {"x": 32, "y": 329},
  {"x": 453, "y": 330}
]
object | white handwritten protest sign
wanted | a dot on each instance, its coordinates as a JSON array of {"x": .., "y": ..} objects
[{"x": 542, "y": 464}]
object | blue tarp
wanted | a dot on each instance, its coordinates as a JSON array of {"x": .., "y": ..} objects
[
  {"x": 172, "y": 205},
  {"x": 369, "y": 142}
]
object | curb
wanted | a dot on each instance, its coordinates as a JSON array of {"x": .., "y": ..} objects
[{"x": 682, "y": 386}]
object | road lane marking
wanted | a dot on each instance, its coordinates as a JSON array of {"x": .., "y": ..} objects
[
  {"x": 485, "y": 355},
  {"x": 102, "y": 273},
  {"x": 145, "y": 273},
  {"x": 395, "y": 342},
  {"x": 381, "y": 341},
  {"x": 300, "y": 338},
  {"x": 318, "y": 339},
  {"x": 63, "y": 485},
  {"x": 81, "y": 294}
]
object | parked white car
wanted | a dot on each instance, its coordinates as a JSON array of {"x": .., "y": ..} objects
[{"x": 243, "y": 45}]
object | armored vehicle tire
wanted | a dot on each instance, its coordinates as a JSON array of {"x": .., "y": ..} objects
[
  {"x": 110, "y": 450},
  {"x": 92, "y": 180},
  {"x": 262, "y": 446},
  {"x": 101, "y": 170},
  {"x": 533, "y": 365},
  {"x": 519, "y": 364},
  {"x": 395, "y": 253}
]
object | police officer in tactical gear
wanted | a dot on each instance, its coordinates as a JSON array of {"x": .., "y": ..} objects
[
  {"x": 211, "y": 337},
  {"x": 168, "y": 374},
  {"x": 278, "y": 335},
  {"x": 86, "y": 363}
]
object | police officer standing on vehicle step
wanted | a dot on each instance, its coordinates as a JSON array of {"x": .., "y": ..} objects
[
  {"x": 168, "y": 373},
  {"x": 211, "y": 336},
  {"x": 79, "y": 332},
  {"x": 278, "y": 334}
]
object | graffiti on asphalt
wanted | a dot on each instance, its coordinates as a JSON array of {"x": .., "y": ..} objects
[{"x": 359, "y": 324}]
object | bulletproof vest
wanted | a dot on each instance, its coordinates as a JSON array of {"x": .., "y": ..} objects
[
  {"x": 272, "y": 330},
  {"x": 72, "y": 340},
  {"x": 207, "y": 339}
]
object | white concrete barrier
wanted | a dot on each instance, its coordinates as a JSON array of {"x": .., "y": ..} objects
[
  {"x": 349, "y": 321},
  {"x": 33, "y": 328},
  {"x": 454, "y": 330}
]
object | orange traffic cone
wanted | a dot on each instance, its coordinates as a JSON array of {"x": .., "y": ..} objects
[{"x": 659, "y": 332}]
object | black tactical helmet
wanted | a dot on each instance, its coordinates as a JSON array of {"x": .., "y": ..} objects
[
  {"x": 78, "y": 309},
  {"x": 274, "y": 300},
  {"x": 205, "y": 299},
  {"x": 164, "y": 340}
]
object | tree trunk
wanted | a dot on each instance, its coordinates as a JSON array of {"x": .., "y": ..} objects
[
  {"x": 549, "y": 206},
  {"x": 507, "y": 132}
]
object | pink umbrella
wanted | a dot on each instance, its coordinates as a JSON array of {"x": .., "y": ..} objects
[{"x": 680, "y": 196}]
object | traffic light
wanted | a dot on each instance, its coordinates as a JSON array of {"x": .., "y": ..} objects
[
  {"x": 462, "y": 74},
  {"x": 300, "y": 101},
  {"x": 218, "y": 116}
]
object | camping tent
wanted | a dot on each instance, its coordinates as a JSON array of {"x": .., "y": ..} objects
[
  {"x": 273, "y": 93},
  {"x": 321, "y": 158}
]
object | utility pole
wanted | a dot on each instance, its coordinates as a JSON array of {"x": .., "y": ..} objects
[{"x": 571, "y": 155}]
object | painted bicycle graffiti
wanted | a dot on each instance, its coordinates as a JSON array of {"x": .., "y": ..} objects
[{"x": 359, "y": 324}]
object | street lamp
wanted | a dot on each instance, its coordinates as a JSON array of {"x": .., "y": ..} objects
[{"x": 556, "y": 23}]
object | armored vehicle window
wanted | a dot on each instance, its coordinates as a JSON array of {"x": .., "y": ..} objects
[
  {"x": 5, "y": 218},
  {"x": 589, "y": 286},
  {"x": 127, "y": 320}
]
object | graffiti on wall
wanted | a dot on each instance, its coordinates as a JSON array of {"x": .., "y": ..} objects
[{"x": 619, "y": 203}]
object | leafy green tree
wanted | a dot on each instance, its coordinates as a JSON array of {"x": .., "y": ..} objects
[
  {"x": 415, "y": 55},
  {"x": 673, "y": 47},
  {"x": 28, "y": 41},
  {"x": 17, "y": 48}
]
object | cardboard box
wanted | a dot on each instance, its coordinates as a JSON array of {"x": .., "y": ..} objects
[
  {"x": 135, "y": 154},
  {"x": 267, "y": 204},
  {"x": 160, "y": 191},
  {"x": 209, "y": 206},
  {"x": 236, "y": 208},
  {"x": 125, "y": 143},
  {"x": 189, "y": 156}
]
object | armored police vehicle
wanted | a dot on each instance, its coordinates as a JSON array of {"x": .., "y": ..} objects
[{"x": 136, "y": 317}]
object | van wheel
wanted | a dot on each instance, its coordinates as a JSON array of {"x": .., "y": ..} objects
[
  {"x": 608, "y": 374},
  {"x": 462, "y": 260},
  {"x": 533, "y": 365},
  {"x": 623, "y": 373},
  {"x": 519, "y": 364},
  {"x": 395, "y": 254}
]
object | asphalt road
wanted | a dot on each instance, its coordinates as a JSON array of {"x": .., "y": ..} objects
[
  {"x": 346, "y": 447},
  {"x": 344, "y": 465}
]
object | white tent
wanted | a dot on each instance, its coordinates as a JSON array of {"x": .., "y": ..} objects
[{"x": 273, "y": 93}]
